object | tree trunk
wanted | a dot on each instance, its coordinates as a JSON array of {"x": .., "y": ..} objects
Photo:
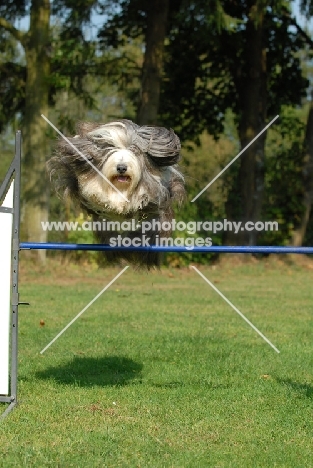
[
  {"x": 153, "y": 62},
  {"x": 307, "y": 174},
  {"x": 245, "y": 200},
  {"x": 35, "y": 185}
]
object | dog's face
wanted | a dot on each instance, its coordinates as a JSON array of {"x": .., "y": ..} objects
[
  {"x": 122, "y": 169},
  {"x": 118, "y": 167},
  {"x": 121, "y": 166},
  {"x": 119, "y": 175}
]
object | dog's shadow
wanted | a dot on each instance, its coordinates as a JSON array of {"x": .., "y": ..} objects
[
  {"x": 88, "y": 372},
  {"x": 302, "y": 389}
]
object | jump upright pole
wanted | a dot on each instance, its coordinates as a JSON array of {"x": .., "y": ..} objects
[{"x": 14, "y": 172}]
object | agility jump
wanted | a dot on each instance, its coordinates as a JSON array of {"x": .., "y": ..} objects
[{"x": 10, "y": 245}]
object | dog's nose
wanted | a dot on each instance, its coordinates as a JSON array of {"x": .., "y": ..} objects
[{"x": 121, "y": 168}]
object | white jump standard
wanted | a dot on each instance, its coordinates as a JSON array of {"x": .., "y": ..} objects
[{"x": 10, "y": 191}]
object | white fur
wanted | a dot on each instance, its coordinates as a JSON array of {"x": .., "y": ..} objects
[
  {"x": 100, "y": 192},
  {"x": 112, "y": 134}
]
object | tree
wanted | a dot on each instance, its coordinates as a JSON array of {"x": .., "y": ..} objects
[
  {"x": 157, "y": 12},
  {"x": 250, "y": 81},
  {"x": 37, "y": 54},
  {"x": 148, "y": 21},
  {"x": 36, "y": 46},
  {"x": 29, "y": 87},
  {"x": 307, "y": 180},
  {"x": 247, "y": 63}
]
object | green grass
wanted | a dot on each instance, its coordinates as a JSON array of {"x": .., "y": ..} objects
[{"x": 160, "y": 372}]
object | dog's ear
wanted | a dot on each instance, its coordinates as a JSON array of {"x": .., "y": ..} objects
[{"x": 162, "y": 145}]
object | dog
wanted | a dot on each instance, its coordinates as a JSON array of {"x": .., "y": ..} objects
[{"x": 122, "y": 171}]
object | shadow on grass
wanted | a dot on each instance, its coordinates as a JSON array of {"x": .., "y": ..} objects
[
  {"x": 302, "y": 389},
  {"x": 87, "y": 372}
]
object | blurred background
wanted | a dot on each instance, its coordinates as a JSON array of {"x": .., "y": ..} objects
[{"x": 215, "y": 71}]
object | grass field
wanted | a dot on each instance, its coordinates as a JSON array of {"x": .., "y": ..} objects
[{"x": 161, "y": 372}]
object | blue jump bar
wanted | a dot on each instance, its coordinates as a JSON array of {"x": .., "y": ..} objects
[{"x": 154, "y": 248}]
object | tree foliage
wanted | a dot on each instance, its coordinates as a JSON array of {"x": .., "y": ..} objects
[
  {"x": 205, "y": 59},
  {"x": 283, "y": 181}
]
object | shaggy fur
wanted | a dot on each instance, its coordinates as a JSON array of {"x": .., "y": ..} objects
[{"x": 138, "y": 161}]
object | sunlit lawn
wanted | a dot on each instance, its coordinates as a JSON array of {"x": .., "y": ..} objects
[{"x": 160, "y": 372}]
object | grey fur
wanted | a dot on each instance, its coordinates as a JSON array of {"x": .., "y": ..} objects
[{"x": 155, "y": 152}]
